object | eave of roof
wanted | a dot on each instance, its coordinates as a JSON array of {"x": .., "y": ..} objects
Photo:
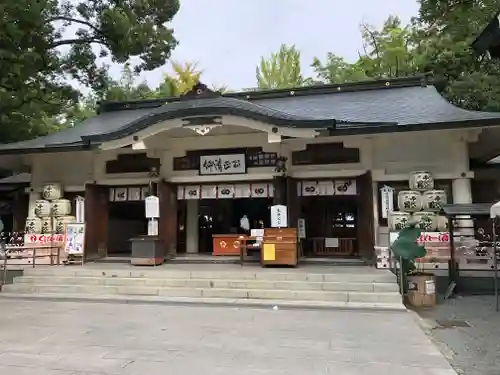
[
  {"x": 370, "y": 107},
  {"x": 458, "y": 209},
  {"x": 215, "y": 106}
]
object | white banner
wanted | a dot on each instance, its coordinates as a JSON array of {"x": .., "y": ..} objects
[{"x": 387, "y": 200}]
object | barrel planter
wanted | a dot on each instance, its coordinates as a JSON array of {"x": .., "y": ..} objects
[{"x": 421, "y": 291}]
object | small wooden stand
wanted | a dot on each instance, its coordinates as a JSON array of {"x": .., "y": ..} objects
[{"x": 279, "y": 247}]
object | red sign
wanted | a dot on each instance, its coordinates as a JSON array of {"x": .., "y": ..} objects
[
  {"x": 43, "y": 239},
  {"x": 433, "y": 237},
  {"x": 437, "y": 245}
]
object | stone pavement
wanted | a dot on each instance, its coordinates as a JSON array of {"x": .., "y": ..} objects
[
  {"x": 473, "y": 350},
  {"x": 49, "y": 338}
]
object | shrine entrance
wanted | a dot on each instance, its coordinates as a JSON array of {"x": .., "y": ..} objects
[{"x": 202, "y": 223}]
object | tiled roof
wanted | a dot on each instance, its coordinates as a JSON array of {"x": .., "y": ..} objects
[{"x": 398, "y": 104}]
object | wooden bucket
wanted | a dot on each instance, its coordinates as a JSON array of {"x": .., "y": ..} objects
[{"x": 421, "y": 290}]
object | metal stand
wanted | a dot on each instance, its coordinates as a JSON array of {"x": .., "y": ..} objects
[
  {"x": 495, "y": 267},
  {"x": 153, "y": 227}
]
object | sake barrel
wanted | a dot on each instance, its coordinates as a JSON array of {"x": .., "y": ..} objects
[
  {"x": 426, "y": 220},
  {"x": 33, "y": 225},
  {"x": 61, "y": 207},
  {"x": 398, "y": 220},
  {"x": 42, "y": 208},
  {"x": 442, "y": 224},
  {"x": 52, "y": 191},
  {"x": 409, "y": 201},
  {"x": 421, "y": 181},
  {"x": 46, "y": 225},
  {"x": 61, "y": 221},
  {"x": 433, "y": 200}
]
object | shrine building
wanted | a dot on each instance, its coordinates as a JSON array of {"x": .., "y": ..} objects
[{"x": 329, "y": 153}]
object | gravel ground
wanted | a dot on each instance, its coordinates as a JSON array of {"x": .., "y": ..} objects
[{"x": 473, "y": 350}]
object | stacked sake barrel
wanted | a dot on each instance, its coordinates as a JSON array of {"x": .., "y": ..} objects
[
  {"x": 52, "y": 212},
  {"x": 420, "y": 204}
]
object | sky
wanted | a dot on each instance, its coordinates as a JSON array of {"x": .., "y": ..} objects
[{"x": 227, "y": 38}]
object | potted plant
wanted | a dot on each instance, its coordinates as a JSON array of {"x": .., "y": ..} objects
[{"x": 419, "y": 286}]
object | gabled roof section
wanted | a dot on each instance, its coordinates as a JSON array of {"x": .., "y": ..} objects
[
  {"x": 201, "y": 101},
  {"x": 377, "y": 106}
]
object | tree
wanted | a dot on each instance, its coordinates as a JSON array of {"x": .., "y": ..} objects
[
  {"x": 388, "y": 52},
  {"x": 44, "y": 42},
  {"x": 445, "y": 31},
  {"x": 126, "y": 88},
  {"x": 281, "y": 70},
  {"x": 437, "y": 43},
  {"x": 184, "y": 77},
  {"x": 337, "y": 70}
]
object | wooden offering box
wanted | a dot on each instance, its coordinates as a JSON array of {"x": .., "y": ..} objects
[
  {"x": 227, "y": 244},
  {"x": 279, "y": 247}
]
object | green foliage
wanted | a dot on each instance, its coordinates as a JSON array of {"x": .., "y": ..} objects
[
  {"x": 407, "y": 248},
  {"x": 281, "y": 70},
  {"x": 185, "y": 75},
  {"x": 45, "y": 42},
  {"x": 445, "y": 30},
  {"x": 436, "y": 43}
]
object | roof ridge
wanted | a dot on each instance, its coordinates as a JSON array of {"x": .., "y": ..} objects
[{"x": 321, "y": 89}]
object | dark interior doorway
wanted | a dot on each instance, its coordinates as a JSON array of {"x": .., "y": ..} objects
[
  {"x": 126, "y": 220},
  {"x": 223, "y": 217},
  {"x": 330, "y": 217}
]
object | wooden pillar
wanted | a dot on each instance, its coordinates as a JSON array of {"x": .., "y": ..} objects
[
  {"x": 280, "y": 190},
  {"x": 167, "y": 226},
  {"x": 96, "y": 221},
  {"x": 365, "y": 220},
  {"x": 292, "y": 202},
  {"x": 20, "y": 208}
]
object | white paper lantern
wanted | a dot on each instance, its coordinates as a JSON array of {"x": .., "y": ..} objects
[{"x": 409, "y": 201}]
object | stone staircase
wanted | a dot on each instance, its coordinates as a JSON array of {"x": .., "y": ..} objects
[{"x": 309, "y": 286}]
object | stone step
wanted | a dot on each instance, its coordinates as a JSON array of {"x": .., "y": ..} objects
[
  {"x": 355, "y": 274},
  {"x": 207, "y": 283},
  {"x": 227, "y": 302},
  {"x": 294, "y": 295}
]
